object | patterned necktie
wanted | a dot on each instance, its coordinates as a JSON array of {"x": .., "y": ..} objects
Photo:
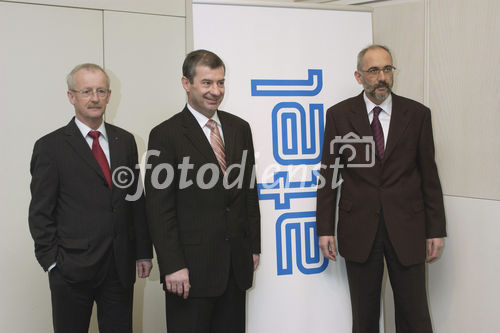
[
  {"x": 378, "y": 133},
  {"x": 217, "y": 144},
  {"x": 100, "y": 156}
]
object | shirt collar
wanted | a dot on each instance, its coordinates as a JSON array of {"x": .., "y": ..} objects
[
  {"x": 385, "y": 105},
  {"x": 84, "y": 129},
  {"x": 202, "y": 119}
]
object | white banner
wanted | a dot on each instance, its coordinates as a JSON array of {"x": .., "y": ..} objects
[{"x": 285, "y": 67}]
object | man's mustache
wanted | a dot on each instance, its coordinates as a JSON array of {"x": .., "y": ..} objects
[{"x": 382, "y": 84}]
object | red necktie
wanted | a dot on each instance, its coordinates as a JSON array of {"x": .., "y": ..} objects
[
  {"x": 217, "y": 144},
  {"x": 100, "y": 156},
  {"x": 378, "y": 133}
]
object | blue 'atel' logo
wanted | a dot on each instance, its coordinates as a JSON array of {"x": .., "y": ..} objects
[
  {"x": 301, "y": 227},
  {"x": 297, "y": 136}
]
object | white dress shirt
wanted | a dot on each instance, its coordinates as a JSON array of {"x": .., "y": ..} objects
[
  {"x": 103, "y": 138},
  {"x": 202, "y": 120},
  {"x": 384, "y": 115}
]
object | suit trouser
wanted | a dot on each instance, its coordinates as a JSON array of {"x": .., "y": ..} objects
[
  {"x": 221, "y": 314},
  {"x": 408, "y": 285},
  {"x": 72, "y": 303}
]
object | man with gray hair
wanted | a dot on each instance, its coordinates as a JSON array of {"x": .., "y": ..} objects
[
  {"x": 87, "y": 235},
  {"x": 391, "y": 207}
]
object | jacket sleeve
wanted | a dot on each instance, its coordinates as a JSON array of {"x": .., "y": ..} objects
[
  {"x": 253, "y": 210},
  {"x": 144, "y": 249},
  {"x": 431, "y": 186},
  {"x": 161, "y": 190},
  {"x": 326, "y": 197},
  {"x": 44, "y": 193}
]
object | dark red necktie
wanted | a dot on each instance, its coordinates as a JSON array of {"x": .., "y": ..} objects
[
  {"x": 100, "y": 156},
  {"x": 378, "y": 133}
]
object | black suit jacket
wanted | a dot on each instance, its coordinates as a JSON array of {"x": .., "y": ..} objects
[
  {"x": 74, "y": 218},
  {"x": 206, "y": 230},
  {"x": 404, "y": 186}
]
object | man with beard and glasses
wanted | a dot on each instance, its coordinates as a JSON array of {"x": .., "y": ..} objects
[{"x": 390, "y": 207}]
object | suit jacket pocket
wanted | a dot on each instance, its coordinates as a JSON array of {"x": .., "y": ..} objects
[
  {"x": 345, "y": 205},
  {"x": 72, "y": 259}
]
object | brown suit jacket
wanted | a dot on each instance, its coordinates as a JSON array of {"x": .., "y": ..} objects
[{"x": 404, "y": 186}]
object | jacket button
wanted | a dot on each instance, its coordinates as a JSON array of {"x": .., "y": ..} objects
[{"x": 228, "y": 209}]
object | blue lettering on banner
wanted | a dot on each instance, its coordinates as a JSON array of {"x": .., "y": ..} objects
[
  {"x": 297, "y": 138},
  {"x": 302, "y": 225},
  {"x": 310, "y": 87},
  {"x": 294, "y": 190}
]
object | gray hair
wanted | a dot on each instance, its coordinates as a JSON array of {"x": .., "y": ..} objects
[
  {"x": 362, "y": 53},
  {"x": 70, "y": 78}
]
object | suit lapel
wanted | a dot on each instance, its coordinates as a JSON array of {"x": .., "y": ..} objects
[
  {"x": 229, "y": 136},
  {"x": 359, "y": 117},
  {"x": 76, "y": 140},
  {"x": 115, "y": 154},
  {"x": 194, "y": 133},
  {"x": 397, "y": 126},
  {"x": 361, "y": 123},
  {"x": 399, "y": 121},
  {"x": 229, "y": 133},
  {"x": 118, "y": 156}
]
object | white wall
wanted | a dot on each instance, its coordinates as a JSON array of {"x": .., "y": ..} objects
[
  {"x": 157, "y": 7},
  {"x": 145, "y": 68},
  {"x": 446, "y": 52},
  {"x": 39, "y": 45},
  {"x": 28, "y": 65},
  {"x": 463, "y": 285}
]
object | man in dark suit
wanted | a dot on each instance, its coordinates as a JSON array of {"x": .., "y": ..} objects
[
  {"x": 202, "y": 205},
  {"x": 87, "y": 234},
  {"x": 392, "y": 209}
]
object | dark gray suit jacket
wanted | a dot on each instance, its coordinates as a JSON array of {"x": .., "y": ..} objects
[
  {"x": 74, "y": 218},
  {"x": 206, "y": 230}
]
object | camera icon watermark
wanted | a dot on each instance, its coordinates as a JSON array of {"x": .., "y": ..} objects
[{"x": 352, "y": 146}]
